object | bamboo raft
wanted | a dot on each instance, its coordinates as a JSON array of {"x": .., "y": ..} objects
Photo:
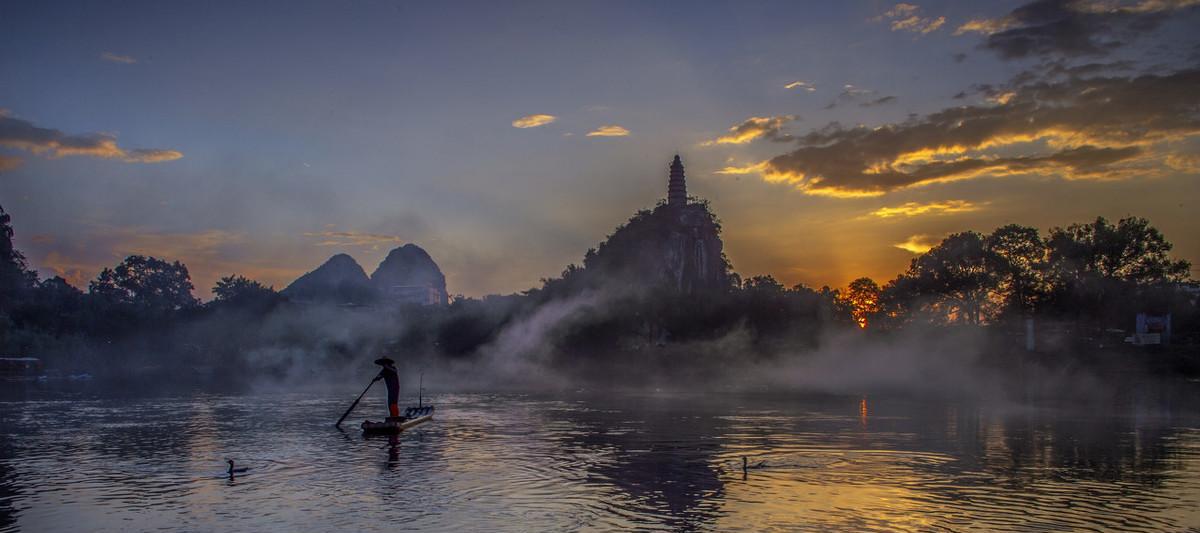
[{"x": 395, "y": 424}]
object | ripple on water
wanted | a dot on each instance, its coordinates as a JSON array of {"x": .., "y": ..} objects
[{"x": 519, "y": 463}]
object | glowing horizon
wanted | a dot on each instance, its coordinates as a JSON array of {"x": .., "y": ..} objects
[{"x": 833, "y": 141}]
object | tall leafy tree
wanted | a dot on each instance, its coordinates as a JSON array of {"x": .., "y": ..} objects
[
  {"x": 240, "y": 290},
  {"x": 146, "y": 284},
  {"x": 1020, "y": 263},
  {"x": 16, "y": 279},
  {"x": 862, "y": 298},
  {"x": 1131, "y": 250},
  {"x": 1102, "y": 271},
  {"x": 54, "y": 306},
  {"x": 953, "y": 282}
]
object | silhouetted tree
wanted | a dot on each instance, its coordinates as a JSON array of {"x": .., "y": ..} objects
[
  {"x": 765, "y": 306},
  {"x": 1132, "y": 251},
  {"x": 861, "y": 300},
  {"x": 623, "y": 307},
  {"x": 55, "y": 307},
  {"x": 16, "y": 279},
  {"x": 147, "y": 285},
  {"x": 1100, "y": 271},
  {"x": 239, "y": 291},
  {"x": 1020, "y": 264},
  {"x": 952, "y": 282},
  {"x": 766, "y": 284}
]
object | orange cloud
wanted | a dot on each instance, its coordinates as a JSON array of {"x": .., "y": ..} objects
[
  {"x": 800, "y": 85},
  {"x": 754, "y": 128},
  {"x": 985, "y": 26},
  {"x": 1094, "y": 128},
  {"x": 206, "y": 245},
  {"x": 77, "y": 273},
  {"x": 52, "y": 143},
  {"x": 533, "y": 121},
  {"x": 907, "y": 17},
  {"x": 912, "y": 209},
  {"x": 918, "y": 24},
  {"x": 1185, "y": 163},
  {"x": 917, "y": 244},
  {"x": 610, "y": 130},
  {"x": 353, "y": 238},
  {"x": 208, "y": 254}
]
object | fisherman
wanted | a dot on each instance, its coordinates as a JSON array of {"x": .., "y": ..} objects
[{"x": 391, "y": 378}]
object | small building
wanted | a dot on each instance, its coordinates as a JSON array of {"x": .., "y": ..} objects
[
  {"x": 415, "y": 294},
  {"x": 1151, "y": 329}
]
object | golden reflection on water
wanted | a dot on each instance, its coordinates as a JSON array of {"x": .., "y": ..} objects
[
  {"x": 1009, "y": 473},
  {"x": 862, "y": 412},
  {"x": 637, "y": 463},
  {"x": 822, "y": 497}
]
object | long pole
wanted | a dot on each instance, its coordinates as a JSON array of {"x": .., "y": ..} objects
[{"x": 355, "y": 404}]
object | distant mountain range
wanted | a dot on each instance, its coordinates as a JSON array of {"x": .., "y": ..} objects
[{"x": 407, "y": 275}]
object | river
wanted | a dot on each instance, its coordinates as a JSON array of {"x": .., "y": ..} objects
[{"x": 590, "y": 461}]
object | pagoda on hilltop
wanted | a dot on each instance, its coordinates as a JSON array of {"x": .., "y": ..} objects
[
  {"x": 676, "y": 185},
  {"x": 676, "y": 246}
]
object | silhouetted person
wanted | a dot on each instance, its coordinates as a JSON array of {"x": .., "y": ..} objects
[{"x": 391, "y": 378}]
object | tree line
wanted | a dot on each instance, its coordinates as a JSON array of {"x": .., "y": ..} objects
[
  {"x": 1091, "y": 276},
  {"x": 1097, "y": 273}
]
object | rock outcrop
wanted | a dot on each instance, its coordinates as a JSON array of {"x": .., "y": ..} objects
[
  {"x": 409, "y": 274},
  {"x": 406, "y": 276},
  {"x": 339, "y": 280},
  {"x": 677, "y": 247}
]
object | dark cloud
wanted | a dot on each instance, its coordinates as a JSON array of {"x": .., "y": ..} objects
[
  {"x": 878, "y": 101},
  {"x": 1103, "y": 128},
  {"x": 1073, "y": 27},
  {"x": 851, "y": 94},
  {"x": 23, "y": 135},
  {"x": 1050, "y": 71},
  {"x": 1061, "y": 69}
]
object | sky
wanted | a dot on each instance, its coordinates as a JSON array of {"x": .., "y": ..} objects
[{"x": 833, "y": 139}]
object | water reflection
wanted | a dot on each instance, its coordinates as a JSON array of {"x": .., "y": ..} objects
[
  {"x": 862, "y": 412},
  {"x": 9, "y": 491},
  {"x": 663, "y": 458},
  {"x": 651, "y": 462}
]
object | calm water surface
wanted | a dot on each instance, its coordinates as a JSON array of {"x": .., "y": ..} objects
[{"x": 593, "y": 462}]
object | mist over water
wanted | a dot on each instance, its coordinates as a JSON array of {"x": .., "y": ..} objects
[
  {"x": 915, "y": 429},
  {"x": 728, "y": 266},
  {"x": 584, "y": 461}
]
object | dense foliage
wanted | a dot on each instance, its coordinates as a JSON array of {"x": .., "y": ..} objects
[{"x": 1097, "y": 273}]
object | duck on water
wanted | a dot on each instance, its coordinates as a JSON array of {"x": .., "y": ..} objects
[{"x": 235, "y": 469}]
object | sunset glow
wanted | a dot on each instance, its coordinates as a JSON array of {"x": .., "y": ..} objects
[
  {"x": 599, "y": 265},
  {"x": 896, "y": 124}
]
